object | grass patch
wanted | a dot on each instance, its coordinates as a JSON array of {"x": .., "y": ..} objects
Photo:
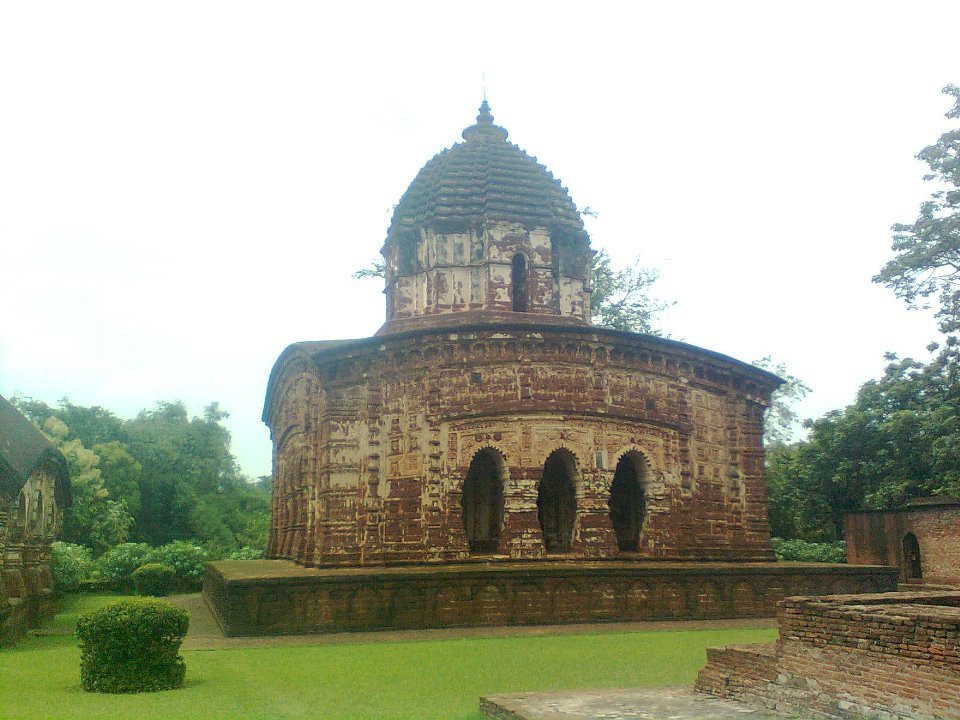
[{"x": 419, "y": 679}]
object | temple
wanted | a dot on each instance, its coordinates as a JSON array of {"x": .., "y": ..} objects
[
  {"x": 491, "y": 456},
  {"x": 34, "y": 490}
]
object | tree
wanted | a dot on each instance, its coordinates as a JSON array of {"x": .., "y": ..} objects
[
  {"x": 190, "y": 481},
  {"x": 159, "y": 477},
  {"x": 93, "y": 518},
  {"x": 121, "y": 473},
  {"x": 927, "y": 252},
  {"x": 781, "y": 419},
  {"x": 621, "y": 299},
  {"x": 899, "y": 440},
  {"x": 376, "y": 269}
]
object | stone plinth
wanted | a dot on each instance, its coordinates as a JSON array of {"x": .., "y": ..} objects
[
  {"x": 273, "y": 597},
  {"x": 634, "y": 704}
]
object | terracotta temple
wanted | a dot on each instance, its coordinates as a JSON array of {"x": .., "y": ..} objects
[
  {"x": 34, "y": 491},
  {"x": 490, "y": 456}
]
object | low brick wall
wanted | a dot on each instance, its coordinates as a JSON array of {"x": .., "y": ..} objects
[
  {"x": 890, "y": 655},
  {"x": 272, "y": 597},
  {"x": 739, "y": 671}
]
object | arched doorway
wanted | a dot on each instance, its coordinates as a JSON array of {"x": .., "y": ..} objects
[
  {"x": 482, "y": 501},
  {"x": 627, "y": 502},
  {"x": 911, "y": 557},
  {"x": 518, "y": 282},
  {"x": 556, "y": 501}
]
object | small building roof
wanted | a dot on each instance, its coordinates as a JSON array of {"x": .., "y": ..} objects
[
  {"x": 23, "y": 449},
  {"x": 932, "y": 501}
]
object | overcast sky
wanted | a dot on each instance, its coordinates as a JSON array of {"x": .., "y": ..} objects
[{"x": 185, "y": 188}]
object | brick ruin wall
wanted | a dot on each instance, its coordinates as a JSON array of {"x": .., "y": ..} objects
[
  {"x": 890, "y": 655},
  {"x": 876, "y": 538},
  {"x": 938, "y": 532},
  {"x": 372, "y": 444}
]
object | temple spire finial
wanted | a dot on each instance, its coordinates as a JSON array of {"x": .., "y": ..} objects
[
  {"x": 484, "y": 118},
  {"x": 484, "y": 129}
]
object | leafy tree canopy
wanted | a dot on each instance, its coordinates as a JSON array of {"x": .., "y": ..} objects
[
  {"x": 621, "y": 299},
  {"x": 899, "y": 440},
  {"x": 159, "y": 477},
  {"x": 781, "y": 421},
  {"x": 376, "y": 269},
  {"x": 94, "y": 518},
  {"x": 926, "y": 260}
]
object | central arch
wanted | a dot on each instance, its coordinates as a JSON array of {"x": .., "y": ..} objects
[
  {"x": 556, "y": 501},
  {"x": 627, "y": 502},
  {"x": 482, "y": 501},
  {"x": 518, "y": 282},
  {"x": 911, "y": 557}
]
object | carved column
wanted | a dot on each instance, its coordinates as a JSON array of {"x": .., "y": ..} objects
[
  {"x": 30, "y": 559},
  {"x": 49, "y": 530},
  {"x": 5, "y": 503},
  {"x": 273, "y": 544},
  {"x": 32, "y": 528},
  {"x": 14, "y": 584}
]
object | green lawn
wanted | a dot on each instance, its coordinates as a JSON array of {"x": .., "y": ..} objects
[{"x": 417, "y": 679}]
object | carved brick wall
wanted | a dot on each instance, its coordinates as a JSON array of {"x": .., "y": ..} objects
[
  {"x": 458, "y": 272},
  {"x": 373, "y": 439}
]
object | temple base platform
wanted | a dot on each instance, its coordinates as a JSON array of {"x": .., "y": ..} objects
[{"x": 279, "y": 597}]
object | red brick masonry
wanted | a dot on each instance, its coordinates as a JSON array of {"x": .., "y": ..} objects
[
  {"x": 889, "y": 655},
  {"x": 875, "y": 537},
  {"x": 275, "y": 597}
]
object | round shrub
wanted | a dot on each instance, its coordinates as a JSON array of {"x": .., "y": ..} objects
[
  {"x": 802, "y": 551},
  {"x": 116, "y": 566},
  {"x": 153, "y": 579},
  {"x": 70, "y": 566},
  {"x": 246, "y": 553},
  {"x": 187, "y": 560},
  {"x": 132, "y": 646}
]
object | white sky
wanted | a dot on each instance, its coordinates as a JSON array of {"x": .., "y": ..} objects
[{"x": 186, "y": 187}]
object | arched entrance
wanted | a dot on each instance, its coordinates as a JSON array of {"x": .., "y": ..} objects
[
  {"x": 518, "y": 282},
  {"x": 627, "y": 502},
  {"x": 482, "y": 501},
  {"x": 911, "y": 557},
  {"x": 556, "y": 501}
]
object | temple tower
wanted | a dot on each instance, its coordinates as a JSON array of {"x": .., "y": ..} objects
[{"x": 485, "y": 229}]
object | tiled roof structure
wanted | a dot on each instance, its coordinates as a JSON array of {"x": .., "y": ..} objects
[
  {"x": 485, "y": 179},
  {"x": 23, "y": 449}
]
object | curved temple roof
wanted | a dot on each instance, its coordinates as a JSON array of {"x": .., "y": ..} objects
[
  {"x": 23, "y": 449},
  {"x": 484, "y": 179}
]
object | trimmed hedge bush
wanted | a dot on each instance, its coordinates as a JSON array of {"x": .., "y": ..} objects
[
  {"x": 132, "y": 646},
  {"x": 187, "y": 560},
  {"x": 115, "y": 566},
  {"x": 114, "y": 569},
  {"x": 802, "y": 551},
  {"x": 70, "y": 566},
  {"x": 153, "y": 579}
]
